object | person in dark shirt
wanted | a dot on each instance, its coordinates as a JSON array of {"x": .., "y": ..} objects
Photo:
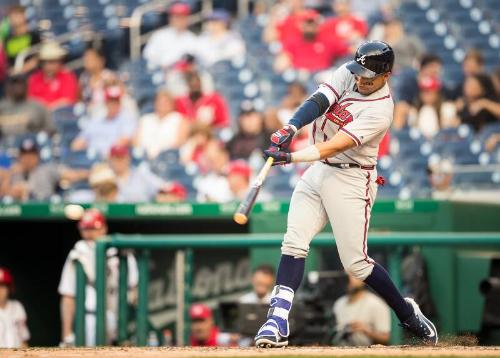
[
  {"x": 250, "y": 135},
  {"x": 479, "y": 105}
]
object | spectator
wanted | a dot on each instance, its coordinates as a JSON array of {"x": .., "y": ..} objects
[
  {"x": 162, "y": 130},
  {"x": 284, "y": 21},
  {"x": 14, "y": 332},
  {"x": 92, "y": 226},
  {"x": 209, "y": 108},
  {"x": 480, "y": 104},
  {"x": 440, "y": 174},
  {"x": 278, "y": 117},
  {"x": 29, "y": 179},
  {"x": 407, "y": 48},
  {"x": 53, "y": 85},
  {"x": 213, "y": 186},
  {"x": 173, "y": 192},
  {"x": 238, "y": 178},
  {"x": 19, "y": 115},
  {"x": 495, "y": 77},
  {"x": 204, "y": 332},
  {"x": 94, "y": 79},
  {"x": 407, "y": 92},
  {"x": 167, "y": 46},
  {"x": 431, "y": 112},
  {"x": 135, "y": 184},
  {"x": 473, "y": 64},
  {"x": 249, "y": 137},
  {"x": 362, "y": 317},
  {"x": 99, "y": 134},
  {"x": 193, "y": 150},
  {"x": 104, "y": 184},
  {"x": 310, "y": 51},
  {"x": 262, "y": 285},
  {"x": 19, "y": 37},
  {"x": 3, "y": 69},
  {"x": 344, "y": 26},
  {"x": 218, "y": 42}
]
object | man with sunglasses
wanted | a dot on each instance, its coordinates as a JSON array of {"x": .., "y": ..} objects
[{"x": 349, "y": 116}]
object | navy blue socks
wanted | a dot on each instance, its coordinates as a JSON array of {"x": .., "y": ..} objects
[
  {"x": 381, "y": 283},
  {"x": 290, "y": 271}
]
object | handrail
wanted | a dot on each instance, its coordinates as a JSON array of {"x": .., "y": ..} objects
[
  {"x": 86, "y": 34},
  {"x": 395, "y": 240},
  {"x": 137, "y": 39}
]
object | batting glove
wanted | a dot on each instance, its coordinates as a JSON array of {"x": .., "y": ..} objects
[
  {"x": 283, "y": 137},
  {"x": 280, "y": 157}
]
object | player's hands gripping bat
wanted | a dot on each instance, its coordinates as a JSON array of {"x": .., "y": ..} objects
[
  {"x": 280, "y": 157},
  {"x": 241, "y": 215}
]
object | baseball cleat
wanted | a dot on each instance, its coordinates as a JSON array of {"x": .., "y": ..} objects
[
  {"x": 269, "y": 336},
  {"x": 419, "y": 325}
]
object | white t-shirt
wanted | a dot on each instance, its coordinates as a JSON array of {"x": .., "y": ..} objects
[
  {"x": 228, "y": 47},
  {"x": 369, "y": 309},
  {"x": 13, "y": 329},
  {"x": 252, "y": 298},
  {"x": 158, "y": 134},
  {"x": 84, "y": 251},
  {"x": 167, "y": 46},
  {"x": 213, "y": 188},
  {"x": 365, "y": 119}
]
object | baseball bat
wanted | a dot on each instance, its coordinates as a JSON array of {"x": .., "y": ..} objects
[{"x": 241, "y": 215}]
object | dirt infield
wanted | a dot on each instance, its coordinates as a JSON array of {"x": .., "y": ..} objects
[{"x": 297, "y": 352}]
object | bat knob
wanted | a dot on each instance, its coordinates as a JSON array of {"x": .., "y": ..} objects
[{"x": 240, "y": 218}]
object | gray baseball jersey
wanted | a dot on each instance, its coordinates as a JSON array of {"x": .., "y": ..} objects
[
  {"x": 343, "y": 196},
  {"x": 364, "y": 118}
]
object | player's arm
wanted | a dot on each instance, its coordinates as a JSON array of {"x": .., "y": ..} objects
[{"x": 338, "y": 144}]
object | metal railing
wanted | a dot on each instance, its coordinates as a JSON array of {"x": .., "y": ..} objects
[
  {"x": 84, "y": 34},
  {"x": 184, "y": 244}
]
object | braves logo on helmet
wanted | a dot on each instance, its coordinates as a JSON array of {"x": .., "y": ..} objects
[{"x": 362, "y": 59}]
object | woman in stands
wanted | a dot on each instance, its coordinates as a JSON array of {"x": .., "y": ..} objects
[
  {"x": 431, "y": 112},
  {"x": 480, "y": 105}
]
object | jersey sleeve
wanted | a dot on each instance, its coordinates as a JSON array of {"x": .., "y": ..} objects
[
  {"x": 334, "y": 89},
  {"x": 23, "y": 331},
  {"x": 366, "y": 127},
  {"x": 67, "y": 285}
]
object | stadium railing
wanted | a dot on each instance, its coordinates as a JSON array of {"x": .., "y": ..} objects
[{"x": 184, "y": 244}]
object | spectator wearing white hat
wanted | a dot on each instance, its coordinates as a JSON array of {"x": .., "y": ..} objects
[{"x": 53, "y": 85}]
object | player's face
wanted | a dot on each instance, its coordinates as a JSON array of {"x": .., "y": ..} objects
[
  {"x": 200, "y": 328},
  {"x": 367, "y": 86},
  {"x": 262, "y": 283},
  {"x": 93, "y": 234},
  {"x": 4, "y": 294}
]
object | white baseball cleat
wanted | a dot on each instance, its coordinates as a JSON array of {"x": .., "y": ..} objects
[{"x": 269, "y": 336}]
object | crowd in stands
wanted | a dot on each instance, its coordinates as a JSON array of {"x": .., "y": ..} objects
[{"x": 101, "y": 134}]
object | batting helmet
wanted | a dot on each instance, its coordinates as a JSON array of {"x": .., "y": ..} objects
[
  {"x": 6, "y": 278},
  {"x": 92, "y": 219},
  {"x": 372, "y": 58}
]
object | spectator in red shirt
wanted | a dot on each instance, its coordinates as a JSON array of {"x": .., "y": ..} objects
[
  {"x": 310, "y": 51},
  {"x": 198, "y": 106},
  {"x": 204, "y": 332},
  {"x": 53, "y": 85},
  {"x": 344, "y": 25},
  {"x": 284, "y": 22}
]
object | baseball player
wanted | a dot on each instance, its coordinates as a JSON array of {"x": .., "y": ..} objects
[
  {"x": 350, "y": 115},
  {"x": 92, "y": 226},
  {"x": 14, "y": 331}
]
